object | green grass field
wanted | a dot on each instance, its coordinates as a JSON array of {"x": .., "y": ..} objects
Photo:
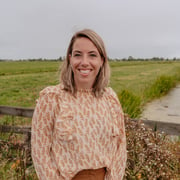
[
  {"x": 135, "y": 82},
  {"x": 20, "y": 82}
]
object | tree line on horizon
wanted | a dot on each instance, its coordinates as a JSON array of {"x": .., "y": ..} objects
[{"x": 130, "y": 58}]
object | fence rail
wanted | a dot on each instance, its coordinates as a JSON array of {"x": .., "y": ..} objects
[
  {"x": 168, "y": 128},
  {"x": 15, "y": 129},
  {"x": 16, "y": 111}
]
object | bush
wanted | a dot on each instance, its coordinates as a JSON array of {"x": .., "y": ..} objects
[{"x": 151, "y": 155}]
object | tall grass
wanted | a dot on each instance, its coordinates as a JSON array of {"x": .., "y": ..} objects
[
  {"x": 131, "y": 103},
  {"x": 160, "y": 87}
]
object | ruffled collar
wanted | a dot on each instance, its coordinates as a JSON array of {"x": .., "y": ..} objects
[
  {"x": 88, "y": 90},
  {"x": 85, "y": 90}
]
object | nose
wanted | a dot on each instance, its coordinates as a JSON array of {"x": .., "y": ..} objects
[{"x": 85, "y": 60}]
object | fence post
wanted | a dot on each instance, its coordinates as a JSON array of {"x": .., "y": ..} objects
[{"x": 27, "y": 148}]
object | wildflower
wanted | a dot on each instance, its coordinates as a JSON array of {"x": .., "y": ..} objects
[
  {"x": 18, "y": 162},
  {"x": 13, "y": 166},
  {"x": 139, "y": 175}
]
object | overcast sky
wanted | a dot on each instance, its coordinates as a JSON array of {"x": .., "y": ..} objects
[{"x": 43, "y": 28}]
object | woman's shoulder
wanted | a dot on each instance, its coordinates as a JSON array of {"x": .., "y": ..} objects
[
  {"x": 52, "y": 90},
  {"x": 111, "y": 96},
  {"x": 110, "y": 93},
  {"x": 113, "y": 100}
]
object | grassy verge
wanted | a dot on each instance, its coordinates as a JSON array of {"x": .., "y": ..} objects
[{"x": 133, "y": 104}]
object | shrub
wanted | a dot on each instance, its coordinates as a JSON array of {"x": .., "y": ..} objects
[{"x": 151, "y": 155}]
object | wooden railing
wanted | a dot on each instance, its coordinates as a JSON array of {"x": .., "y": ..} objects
[
  {"x": 25, "y": 130},
  {"x": 168, "y": 128},
  {"x": 17, "y": 111}
]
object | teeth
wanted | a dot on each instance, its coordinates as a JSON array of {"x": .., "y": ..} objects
[{"x": 85, "y": 71}]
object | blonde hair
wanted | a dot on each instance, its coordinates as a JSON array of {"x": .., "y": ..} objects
[{"x": 102, "y": 79}]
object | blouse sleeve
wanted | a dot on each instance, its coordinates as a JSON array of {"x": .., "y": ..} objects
[
  {"x": 118, "y": 165},
  {"x": 41, "y": 137}
]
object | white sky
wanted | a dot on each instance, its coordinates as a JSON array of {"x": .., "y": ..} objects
[{"x": 43, "y": 28}]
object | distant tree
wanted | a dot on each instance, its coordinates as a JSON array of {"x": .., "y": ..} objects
[
  {"x": 60, "y": 58},
  {"x": 130, "y": 58}
]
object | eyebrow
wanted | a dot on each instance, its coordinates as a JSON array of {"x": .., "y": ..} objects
[
  {"x": 77, "y": 51},
  {"x": 92, "y": 52}
]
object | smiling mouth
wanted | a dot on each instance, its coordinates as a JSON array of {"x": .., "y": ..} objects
[{"x": 87, "y": 71}]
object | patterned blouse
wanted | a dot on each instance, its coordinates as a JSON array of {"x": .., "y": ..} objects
[{"x": 70, "y": 134}]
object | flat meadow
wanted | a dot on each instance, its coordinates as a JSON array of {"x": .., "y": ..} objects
[
  {"x": 135, "y": 82},
  {"x": 21, "y": 81}
]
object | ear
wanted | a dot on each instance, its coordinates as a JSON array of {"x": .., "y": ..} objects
[{"x": 69, "y": 58}]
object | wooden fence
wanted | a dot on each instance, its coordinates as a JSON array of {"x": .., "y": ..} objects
[
  {"x": 17, "y": 111},
  {"x": 25, "y": 130},
  {"x": 168, "y": 128}
]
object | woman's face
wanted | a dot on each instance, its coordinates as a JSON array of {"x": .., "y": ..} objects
[{"x": 85, "y": 61}]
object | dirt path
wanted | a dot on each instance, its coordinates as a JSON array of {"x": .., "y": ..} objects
[{"x": 165, "y": 109}]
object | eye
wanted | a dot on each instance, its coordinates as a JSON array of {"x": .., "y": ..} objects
[
  {"x": 93, "y": 55},
  {"x": 76, "y": 54}
]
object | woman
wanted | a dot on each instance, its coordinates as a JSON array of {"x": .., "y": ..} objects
[{"x": 78, "y": 126}]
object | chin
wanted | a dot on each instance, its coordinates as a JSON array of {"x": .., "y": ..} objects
[{"x": 85, "y": 84}]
